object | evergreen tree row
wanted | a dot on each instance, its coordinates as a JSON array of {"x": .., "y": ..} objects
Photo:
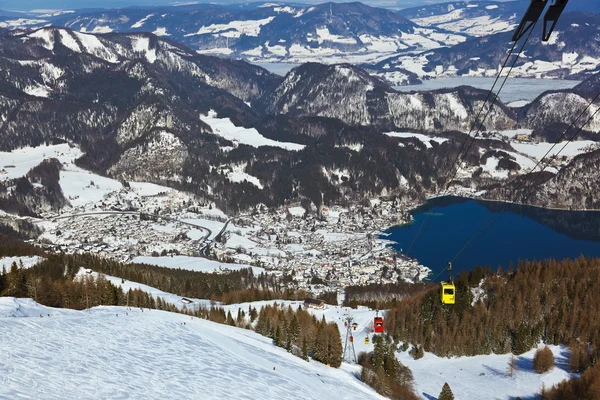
[
  {"x": 551, "y": 301},
  {"x": 301, "y": 333},
  {"x": 383, "y": 372}
]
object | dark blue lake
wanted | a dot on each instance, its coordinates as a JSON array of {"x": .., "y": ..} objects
[{"x": 521, "y": 233}]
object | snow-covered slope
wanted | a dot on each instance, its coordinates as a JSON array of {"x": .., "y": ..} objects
[
  {"x": 353, "y": 96},
  {"x": 572, "y": 52},
  {"x": 472, "y": 18},
  {"x": 329, "y": 32},
  {"x": 112, "y": 352},
  {"x": 485, "y": 377}
]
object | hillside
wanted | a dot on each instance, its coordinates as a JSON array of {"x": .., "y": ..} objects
[
  {"x": 350, "y": 94},
  {"x": 271, "y": 32},
  {"x": 472, "y": 18},
  {"x": 572, "y": 53},
  {"x": 152, "y": 354}
]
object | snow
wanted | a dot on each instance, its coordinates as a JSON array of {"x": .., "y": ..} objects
[
  {"x": 37, "y": 91},
  {"x": 141, "y": 44},
  {"x": 68, "y": 40},
  {"x": 423, "y": 138},
  {"x": 149, "y": 189},
  {"x": 518, "y": 103},
  {"x": 77, "y": 187},
  {"x": 234, "y": 29},
  {"x": 102, "y": 29},
  {"x": 21, "y": 23},
  {"x": 46, "y": 36},
  {"x": 120, "y": 353},
  {"x": 470, "y": 377},
  {"x": 193, "y": 264},
  {"x": 539, "y": 150},
  {"x": 141, "y": 22},
  {"x": 28, "y": 262},
  {"x": 241, "y": 176},
  {"x": 225, "y": 128},
  {"x": 516, "y": 89},
  {"x": 161, "y": 31},
  {"x": 456, "y": 21},
  {"x": 94, "y": 46},
  {"x": 297, "y": 211},
  {"x": 324, "y": 35},
  {"x": 126, "y": 285},
  {"x": 20, "y": 161}
]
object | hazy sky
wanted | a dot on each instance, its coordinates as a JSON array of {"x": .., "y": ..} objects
[{"x": 26, "y": 5}]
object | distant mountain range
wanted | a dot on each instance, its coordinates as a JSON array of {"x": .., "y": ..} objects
[
  {"x": 440, "y": 40},
  {"x": 137, "y": 105},
  {"x": 144, "y": 107},
  {"x": 573, "y": 52}
]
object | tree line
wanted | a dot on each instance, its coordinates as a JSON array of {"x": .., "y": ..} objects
[
  {"x": 550, "y": 301},
  {"x": 301, "y": 333}
]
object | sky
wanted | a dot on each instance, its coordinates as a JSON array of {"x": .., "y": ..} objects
[{"x": 28, "y": 5}]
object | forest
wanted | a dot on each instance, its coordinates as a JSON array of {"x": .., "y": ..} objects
[
  {"x": 301, "y": 333},
  {"x": 550, "y": 301}
]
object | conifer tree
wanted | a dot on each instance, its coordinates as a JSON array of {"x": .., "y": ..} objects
[
  {"x": 230, "y": 320},
  {"x": 304, "y": 349},
  {"x": 277, "y": 336},
  {"x": 446, "y": 393}
]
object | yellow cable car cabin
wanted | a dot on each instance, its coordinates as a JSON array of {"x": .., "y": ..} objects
[
  {"x": 448, "y": 292},
  {"x": 367, "y": 340}
]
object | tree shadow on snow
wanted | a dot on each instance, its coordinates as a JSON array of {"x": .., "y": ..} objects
[
  {"x": 524, "y": 364},
  {"x": 429, "y": 397}
]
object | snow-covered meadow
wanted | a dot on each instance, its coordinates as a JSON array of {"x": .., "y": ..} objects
[{"x": 112, "y": 352}]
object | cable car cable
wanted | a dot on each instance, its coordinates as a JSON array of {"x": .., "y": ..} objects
[
  {"x": 425, "y": 224},
  {"x": 532, "y": 184},
  {"x": 444, "y": 183}
]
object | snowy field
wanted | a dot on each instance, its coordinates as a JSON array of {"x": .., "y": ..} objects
[
  {"x": 17, "y": 163},
  {"x": 105, "y": 353},
  {"x": 426, "y": 140},
  {"x": 126, "y": 285},
  {"x": 28, "y": 262},
  {"x": 193, "y": 264},
  {"x": 226, "y": 129},
  {"x": 484, "y": 377},
  {"x": 516, "y": 89}
]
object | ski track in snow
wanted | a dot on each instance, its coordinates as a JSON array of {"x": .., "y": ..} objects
[{"x": 106, "y": 353}]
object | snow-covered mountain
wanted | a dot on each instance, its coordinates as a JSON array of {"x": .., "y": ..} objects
[
  {"x": 553, "y": 112},
  {"x": 350, "y": 94},
  {"x": 329, "y": 32},
  {"x": 118, "y": 352},
  {"x": 472, "y": 18},
  {"x": 576, "y": 186},
  {"x": 572, "y": 53}
]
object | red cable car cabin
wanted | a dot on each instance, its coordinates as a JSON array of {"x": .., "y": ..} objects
[{"x": 378, "y": 324}]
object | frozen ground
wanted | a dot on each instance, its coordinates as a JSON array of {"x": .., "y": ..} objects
[
  {"x": 471, "y": 378},
  {"x": 17, "y": 163},
  {"x": 126, "y": 285},
  {"x": 105, "y": 353},
  {"x": 516, "y": 89},
  {"x": 225, "y": 128},
  {"x": 193, "y": 264},
  {"x": 423, "y": 138},
  {"x": 28, "y": 262},
  {"x": 484, "y": 377}
]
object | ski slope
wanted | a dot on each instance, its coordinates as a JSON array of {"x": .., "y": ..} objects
[
  {"x": 106, "y": 353},
  {"x": 471, "y": 378}
]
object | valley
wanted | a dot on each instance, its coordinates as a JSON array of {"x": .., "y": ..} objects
[{"x": 260, "y": 200}]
